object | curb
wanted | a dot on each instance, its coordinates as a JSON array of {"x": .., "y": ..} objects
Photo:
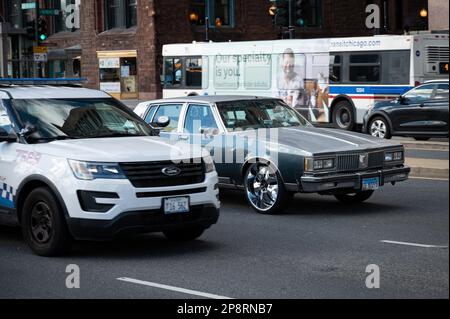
[
  {"x": 434, "y": 168},
  {"x": 436, "y": 146}
]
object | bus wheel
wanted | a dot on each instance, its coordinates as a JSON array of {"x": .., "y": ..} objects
[{"x": 343, "y": 116}]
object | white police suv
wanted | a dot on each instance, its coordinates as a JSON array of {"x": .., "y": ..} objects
[{"x": 77, "y": 164}]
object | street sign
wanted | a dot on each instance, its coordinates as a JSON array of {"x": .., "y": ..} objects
[
  {"x": 40, "y": 49},
  {"x": 40, "y": 57},
  {"x": 49, "y": 12},
  {"x": 30, "y": 5}
]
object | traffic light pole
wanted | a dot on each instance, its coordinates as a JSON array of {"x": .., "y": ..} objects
[
  {"x": 36, "y": 39},
  {"x": 291, "y": 20}
]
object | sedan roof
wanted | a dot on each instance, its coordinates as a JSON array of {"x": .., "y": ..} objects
[{"x": 212, "y": 99}]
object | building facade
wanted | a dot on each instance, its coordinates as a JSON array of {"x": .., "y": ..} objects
[{"x": 116, "y": 44}]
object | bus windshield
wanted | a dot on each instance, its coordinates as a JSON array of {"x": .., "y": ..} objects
[{"x": 242, "y": 115}]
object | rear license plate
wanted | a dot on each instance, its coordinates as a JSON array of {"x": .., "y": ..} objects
[
  {"x": 176, "y": 205},
  {"x": 370, "y": 184}
]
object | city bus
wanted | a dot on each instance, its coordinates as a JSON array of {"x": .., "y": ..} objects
[{"x": 327, "y": 80}]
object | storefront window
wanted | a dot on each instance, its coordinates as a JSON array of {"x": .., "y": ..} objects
[{"x": 118, "y": 75}]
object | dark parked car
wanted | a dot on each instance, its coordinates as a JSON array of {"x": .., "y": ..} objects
[
  {"x": 265, "y": 147},
  {"x": 421, "y": 113}
]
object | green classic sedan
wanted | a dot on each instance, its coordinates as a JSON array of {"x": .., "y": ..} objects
[{"x": 266, "y": 148}]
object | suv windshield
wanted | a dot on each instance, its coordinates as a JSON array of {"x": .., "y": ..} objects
[
  {"x": 51, "y": 119},
  {"x": 242, "y": 115}
]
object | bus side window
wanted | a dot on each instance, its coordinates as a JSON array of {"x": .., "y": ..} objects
[
  {"x": 194, "y": 72},
  {"x": 365, "y": 68},
  {"x": 335, "y": 68},
  {"x": 173, "y": 74}
]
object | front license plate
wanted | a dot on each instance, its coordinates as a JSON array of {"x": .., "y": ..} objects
[
  {"x": 370, "y": 184},
  {"x": 176, "y": 205}
]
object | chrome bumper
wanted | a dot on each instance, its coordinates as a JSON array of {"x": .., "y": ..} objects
[{"x": 316, "y": 184}]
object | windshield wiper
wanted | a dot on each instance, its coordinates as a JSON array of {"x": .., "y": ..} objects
[
  {"x": 53, "y": 138},
  {"x": 117, "y": 135}
]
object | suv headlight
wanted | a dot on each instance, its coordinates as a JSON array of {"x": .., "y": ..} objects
[
  {"x": 312, "y": 164},
  {"x": 394, "y": 156},
  {"x": 91, "y": 170},
  {"x": 209, "y": 164}
]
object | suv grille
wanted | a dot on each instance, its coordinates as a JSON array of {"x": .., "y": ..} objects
[
  {"x": 350, "y": 162},
  {"x": 150, "y": 174}
]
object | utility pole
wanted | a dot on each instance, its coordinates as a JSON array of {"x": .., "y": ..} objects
[{"x": 291, "y": 20}]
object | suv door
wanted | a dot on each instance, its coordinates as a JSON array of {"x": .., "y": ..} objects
[
  {"x": 436, "y": 110},
  {"x": 8, "y": 155},
  {"x": 410, "y": 114}
]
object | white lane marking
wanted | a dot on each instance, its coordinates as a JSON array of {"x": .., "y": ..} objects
[
  {"x": 172, "y": 288},
  {"x": 411, "y": 244},
  {"x": 430, "y": 178}
]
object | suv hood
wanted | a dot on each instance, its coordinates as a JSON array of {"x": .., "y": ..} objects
[{"x": 121, "y": 149}]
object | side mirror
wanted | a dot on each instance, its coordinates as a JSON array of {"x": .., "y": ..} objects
[
  {"x": 7, "y": 137},
  {"x": 161, "y": 122},
  {"x": 401, "y": 99}
]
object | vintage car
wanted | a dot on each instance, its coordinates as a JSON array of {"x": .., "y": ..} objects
[{"x": 267, "y": 148}]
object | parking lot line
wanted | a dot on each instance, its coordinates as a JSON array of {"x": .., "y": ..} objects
[
  {"x": 411, "y": 244},
  {"x": 430, "y": 178},
  {"x": 172, "y": 288}
]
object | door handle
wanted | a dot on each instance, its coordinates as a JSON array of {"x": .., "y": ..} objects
[
  {"x": 183, "y": 137},
  {"x": 422, "y": 105}
]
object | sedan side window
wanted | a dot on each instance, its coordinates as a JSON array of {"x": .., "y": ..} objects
[
  {"x": 151, "y": 113},
  {"x": 424, "y": 92},
  {"x": 172, "y": 111},
  {"x": 199, "y": 116},
  {"x": 5, "y": 122}
]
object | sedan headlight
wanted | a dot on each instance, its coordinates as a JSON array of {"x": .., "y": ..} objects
[
  {"x": 394, "y": 156},
  {"x": 91, "y": 170},
  {"x": 312, "y": 164},
  {"x": 209, "y": 164}
]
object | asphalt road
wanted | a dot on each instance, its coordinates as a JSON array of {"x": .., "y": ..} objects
[{"x": 319, "y": 249}]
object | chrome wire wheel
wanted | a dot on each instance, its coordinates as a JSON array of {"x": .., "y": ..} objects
[
  {"x": 41, "y": 223},
  {"x": 378, "y": 129},
  {"x": 262, "y": 187}
]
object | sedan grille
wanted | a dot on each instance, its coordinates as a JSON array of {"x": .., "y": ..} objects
[
  {"x": 150, "y": 174},
  {"x": 351, "y": 162}
]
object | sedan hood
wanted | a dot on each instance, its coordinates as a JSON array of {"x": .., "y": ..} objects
[
  {"x": 320, "y": 140},
  {"x": 124, "y": 149}
]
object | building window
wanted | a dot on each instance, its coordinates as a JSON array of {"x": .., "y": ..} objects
[
  {"x": 314, "y": 13},
  {"x": 220, "y": 13},
  {"x": 120, "y": 14}
]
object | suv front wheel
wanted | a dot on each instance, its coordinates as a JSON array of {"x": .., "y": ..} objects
[{"x": 43, "y": 225}]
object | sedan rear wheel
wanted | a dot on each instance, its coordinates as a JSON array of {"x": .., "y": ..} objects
[{"x": 265, "y": 190}]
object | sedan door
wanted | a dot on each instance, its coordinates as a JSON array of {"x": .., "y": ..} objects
[{"x": 410, "y": 114}]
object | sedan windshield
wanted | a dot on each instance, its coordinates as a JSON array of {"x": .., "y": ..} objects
[
  {"x": 242, "y": 115},
  {"x": 57, "y": 119}
]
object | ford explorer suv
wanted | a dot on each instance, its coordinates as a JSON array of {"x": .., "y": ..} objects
[{"x": 76, "y": 164}]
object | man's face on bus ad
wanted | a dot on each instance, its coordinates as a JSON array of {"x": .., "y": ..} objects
[{"x": 288, "y": 64}]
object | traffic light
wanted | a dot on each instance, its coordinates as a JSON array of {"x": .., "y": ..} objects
[
  {"x": 300, "y": 12},
  {"x": 42, "y": 30},
  {"x": 282, "y": 13},
  {"x": 31, "y": 30}
]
